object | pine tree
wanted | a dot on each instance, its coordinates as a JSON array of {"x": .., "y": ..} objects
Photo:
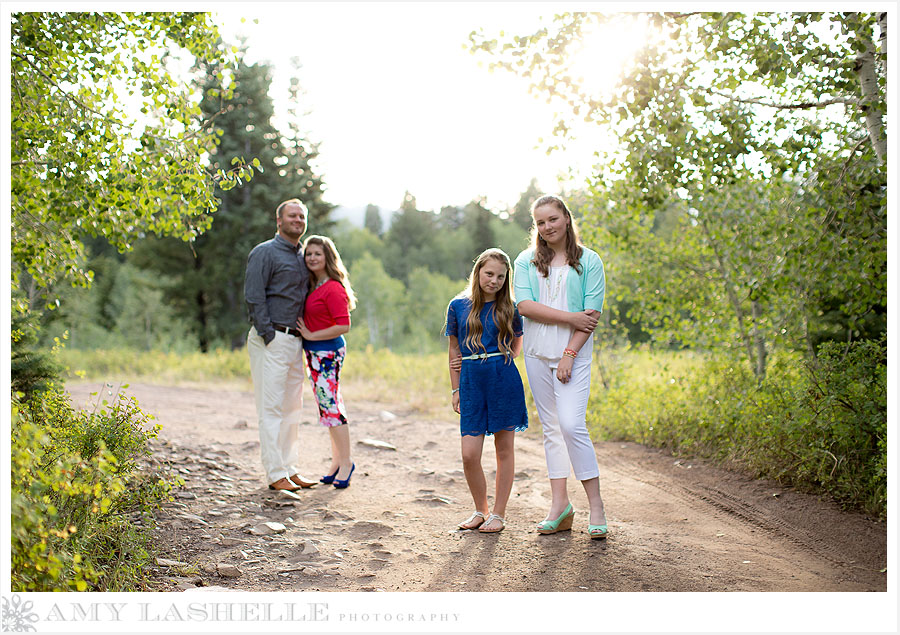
[
  {"x": 209, "y": 273},
  {"x": 373, "y": 219},
  {"x": 478, "y": 222},
  {"x": 410, "y": 241},
  {"x": 522, "y": 211}
]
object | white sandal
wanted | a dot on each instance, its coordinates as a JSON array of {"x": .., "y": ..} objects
[
  {"x": 488, "y": 522},
  {"x": 466, "y": 523}
]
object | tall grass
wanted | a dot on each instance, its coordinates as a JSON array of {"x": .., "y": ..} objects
[
  {"x": 418, "y": 382},
  {"x": 127, "y": 365},
  {"x": 631, "y": 390}
]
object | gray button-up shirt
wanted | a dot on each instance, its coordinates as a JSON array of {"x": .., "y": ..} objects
[{"x": 275, "y": 285}]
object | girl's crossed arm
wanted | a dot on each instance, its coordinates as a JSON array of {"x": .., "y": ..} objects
[
  {"x": 516, "y": 347},
  {"x": 585, "y": 321}
]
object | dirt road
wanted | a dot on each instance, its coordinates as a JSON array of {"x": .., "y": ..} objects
[{"x": 675, "y": 525}]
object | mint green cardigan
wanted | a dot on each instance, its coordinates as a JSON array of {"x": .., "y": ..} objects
[{"x": 584, "y": 291}]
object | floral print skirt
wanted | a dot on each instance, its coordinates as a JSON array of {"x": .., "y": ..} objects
[{"x": 324, "y": 374}]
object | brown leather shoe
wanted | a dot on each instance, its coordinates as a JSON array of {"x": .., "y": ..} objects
[
  {"x": 284, "y": 484},
  {"x": 296, "y": 479}
]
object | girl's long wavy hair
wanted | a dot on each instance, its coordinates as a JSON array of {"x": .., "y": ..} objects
[
  {"x": 504, "y": 308},
  {"x": 542, "y": 252},
  {"x": 334, "y": 266}
]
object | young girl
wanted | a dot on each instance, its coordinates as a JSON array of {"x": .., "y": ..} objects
[
  {"x": 326, "y": 317},
  {"x": 560, "y": 286},
  {"x": 486, "y": 330}
]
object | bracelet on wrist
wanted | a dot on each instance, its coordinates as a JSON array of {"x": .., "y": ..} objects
[
  {"x": 570, "y": 353},
  {"x": 455, "y": 390}
]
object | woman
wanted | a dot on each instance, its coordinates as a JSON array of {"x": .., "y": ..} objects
[
  {"x": 326, "y": 317},
  {"x": 559, "y": 288}
]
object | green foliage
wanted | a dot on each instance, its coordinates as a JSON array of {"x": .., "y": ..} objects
[
  {"x": 446, "y": 243},
  {"x": 739, "y": 191},
  {"x": 142, "y": 316},
  {"x": 31, "y": 369},
  {"x": 207, "y": 275},
  {"x": 402, "y": 318},
  {"x": 125, "y": 307},
  {"x": 521, "y": 212},
  {"x": 411, "y": 239},
  {"x": 425, "y": 292},
  {"x": 481, "y": 231},
  {"x": 820, "y": 426},
  {"x": 847, "y": 396},
  {"x": 353, "y": 242},
  {"x": 80, "y": 505},
  {"x": 373, "y": 220},
  {"x": 82, "y": 164},
  {"x": 379, "y": 297},
  {"x": 509, "y": 237}
]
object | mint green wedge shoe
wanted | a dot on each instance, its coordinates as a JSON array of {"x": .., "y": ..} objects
[
  {"x": 563, "y": 522},
  {"x": 598, "y": 531}
]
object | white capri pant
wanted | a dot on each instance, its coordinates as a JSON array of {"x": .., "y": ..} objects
[
  {"x": 562, "y": 409},
  {"x": 278, "y": 373}
]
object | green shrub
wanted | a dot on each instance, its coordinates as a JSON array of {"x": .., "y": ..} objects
[
  {"x": 847, "y": 399},
  {"x": 77, "y": 492},
  {"x": 821, "y": 426}
]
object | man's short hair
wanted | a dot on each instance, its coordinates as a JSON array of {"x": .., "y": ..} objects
[{"x": 291, "y": 201}]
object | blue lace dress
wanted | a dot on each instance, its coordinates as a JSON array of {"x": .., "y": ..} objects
[{"x": 491, "y": 394}]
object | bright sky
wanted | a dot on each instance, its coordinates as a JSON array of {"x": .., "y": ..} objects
[{"x": 399, "y": 103}]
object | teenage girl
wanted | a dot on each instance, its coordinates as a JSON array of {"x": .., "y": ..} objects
[
  {"x": 326, "y": 317},
  {"x": 486, "y": 331},
  {"x": 560, "y": 284}
]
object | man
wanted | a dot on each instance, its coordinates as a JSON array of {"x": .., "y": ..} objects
[{"x": 275, "y": 288}]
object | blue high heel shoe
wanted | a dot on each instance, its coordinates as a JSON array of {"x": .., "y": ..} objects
[
  {"x": 342, "y": 483},
  {"x": 330, "y": 478}
]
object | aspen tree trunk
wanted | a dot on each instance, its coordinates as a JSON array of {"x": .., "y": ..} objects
[
  {"x": 810, "y": 349},
  {"x": 372, "y": 322},
  {"x": 868, "y": 83},
  {"x": 882, "y": 38},
  {"x": 759, "y": 340},
  {"x": 148, "y": 332},
  {"x": 723, "y": 269}
]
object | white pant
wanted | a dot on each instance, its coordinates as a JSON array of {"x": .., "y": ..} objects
[
  {"x": 278, "y": 375},
  {"x": 562, "y": 409}
]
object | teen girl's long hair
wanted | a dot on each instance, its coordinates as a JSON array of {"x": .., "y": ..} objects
[
  {"x": 542, "y": 252},
  {"x": 334, "y": 266},
  {"x": 504, "y": 308}
]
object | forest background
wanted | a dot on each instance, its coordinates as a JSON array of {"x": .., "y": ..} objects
[{"x": 742, "y": 221}]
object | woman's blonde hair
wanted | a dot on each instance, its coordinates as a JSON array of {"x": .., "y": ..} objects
[
  {"x": 542, "y": 252},
  {"x": 504, "y": 308},
  {"x": 334, "y": 266}
]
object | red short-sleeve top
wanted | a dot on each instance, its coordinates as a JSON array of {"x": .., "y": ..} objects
[{"x": 326, "y": 306}]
